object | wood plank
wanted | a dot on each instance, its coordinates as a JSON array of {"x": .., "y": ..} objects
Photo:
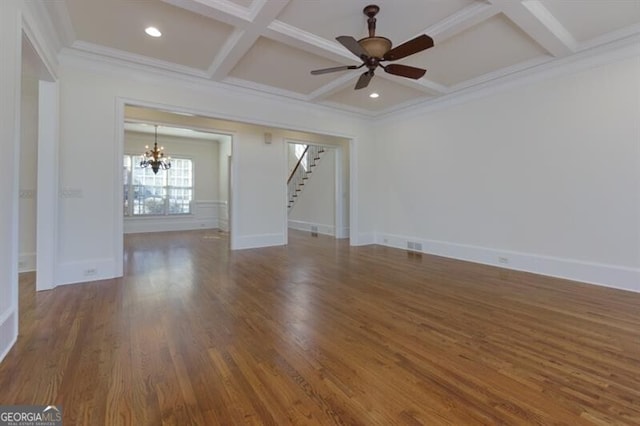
[{"x": 318, "y": 332}]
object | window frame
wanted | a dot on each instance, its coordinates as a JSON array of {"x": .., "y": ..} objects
[{"x": 128, "y": 188}]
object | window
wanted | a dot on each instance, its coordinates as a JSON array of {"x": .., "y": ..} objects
[
  {"x": 299, "y": 151},
  {"x": 170, "y": 192}
]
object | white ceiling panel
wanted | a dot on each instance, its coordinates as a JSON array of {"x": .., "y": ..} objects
[
  {"x": 494, "y": 44},
  {"x": 187, "y": 38},
  {"x": 391, "y": 94},
  {"x": 397, "y": 20},
  {"x": 278, "y": 65},
  {"x": 587, "y": 19}
]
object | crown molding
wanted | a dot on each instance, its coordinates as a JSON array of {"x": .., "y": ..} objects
[
  {"x": 41, "y": 31},
  {"x": 61, "y": 21},
  {"x": 133, "y": 58},
  {"x": 363, "y": 113},
  {"x": 518, "y": 75},
  {"x": 234, "y": 81},
  {"x": 501, "y": 73},
  {"x": 99, "y": 63},
  {"x": 612, "y": 37},
  {"x": 604, "y": 54}
]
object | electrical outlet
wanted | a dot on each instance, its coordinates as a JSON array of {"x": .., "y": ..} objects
[
  {"x": 89, "y": 272},
  {"x": 418, "y": 246},
  {"x": 503, "y": 260},
  {"x": 411, "y": 245}
]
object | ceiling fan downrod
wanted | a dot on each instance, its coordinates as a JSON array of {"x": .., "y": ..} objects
[{"x": 371, "y": 11}]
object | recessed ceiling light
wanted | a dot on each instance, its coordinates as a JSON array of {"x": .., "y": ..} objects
[
  {"x": 374, "y": 95},
  {"x": 153, "y": 31}
]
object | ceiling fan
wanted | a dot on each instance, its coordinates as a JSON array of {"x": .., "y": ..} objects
[{"x": 373, "y": 50}]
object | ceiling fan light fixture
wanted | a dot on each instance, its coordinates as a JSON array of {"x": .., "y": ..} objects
[{"x": 376, "y": 47}]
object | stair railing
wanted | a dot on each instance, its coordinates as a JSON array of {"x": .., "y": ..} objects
[{"x": 310, "y": 155}]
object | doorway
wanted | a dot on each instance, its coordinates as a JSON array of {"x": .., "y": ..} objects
[
  {"x": 192, "y": 193},
  {"x": 317, "y": 186}
]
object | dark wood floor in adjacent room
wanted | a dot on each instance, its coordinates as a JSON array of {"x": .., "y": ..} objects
[{"x": 321, "y": 333}]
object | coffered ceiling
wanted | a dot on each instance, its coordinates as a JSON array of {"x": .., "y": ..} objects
[{"x": 272, "y": 45}]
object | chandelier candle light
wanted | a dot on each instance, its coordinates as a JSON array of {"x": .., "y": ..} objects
[{"x": 155, "y": 157}]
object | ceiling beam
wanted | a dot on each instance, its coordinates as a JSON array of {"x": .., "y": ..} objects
[
  {"x": 300, "y": 39},
  {"x": 536, "y": 21},
  {"x": 334, "y": 86},
  {"x": 238, "y": 44},
  {"x": 460, "y": 21},
  {"x": 538, "y": 10},
  {"x": 220, "y": 10},
  {"x": 422, "y": 84}
]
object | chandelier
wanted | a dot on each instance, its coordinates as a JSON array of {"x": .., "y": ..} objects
[{"x": 155, "y": 158}]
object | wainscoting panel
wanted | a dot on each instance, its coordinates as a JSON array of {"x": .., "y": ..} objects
[{"x": 206, "y": 215}]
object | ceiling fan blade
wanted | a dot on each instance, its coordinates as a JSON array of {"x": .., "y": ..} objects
[
  {"x": 418, "y": 44},
  {"x": 364, "y": 80},
  {"x": 353, "y": 46},
  {"x": 405, "y": 71},
  {"x": 334, "y": 69}
]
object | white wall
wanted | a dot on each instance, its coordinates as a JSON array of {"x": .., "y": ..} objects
[
  {"x": 10, "y": 46},
  {"x": 315, "y": 205},
  {"x": 224, "y": 155},
  {"x": 204, "y": 154},
  {"x": 543, "y": 178},
  {"x": 88, "y": 218},
  {"x": 28, "y": 172}
]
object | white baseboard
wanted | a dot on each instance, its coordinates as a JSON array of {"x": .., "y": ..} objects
[
  {"x": 26, "y": 262},
  {"x": 8, "y": 336},
  {"x": 623, "y": 278},
  {"x": 86, "y": 270},
  {"x": 301, "y": 225},
  {"x": 365, "y": 239},
  {"x": 257, "y": 241},
  {"x": 343, "y": 232}
]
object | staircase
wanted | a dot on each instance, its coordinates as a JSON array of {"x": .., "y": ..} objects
[{"x": 301, "y": 172}]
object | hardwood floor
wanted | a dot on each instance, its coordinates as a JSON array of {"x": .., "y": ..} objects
[{"x": 321, "y": 333}]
